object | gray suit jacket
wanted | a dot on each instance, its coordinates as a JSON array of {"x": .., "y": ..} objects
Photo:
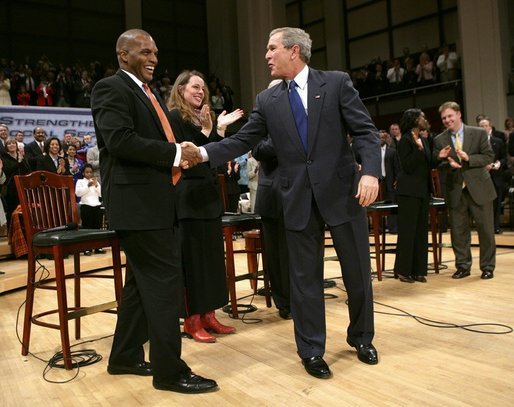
[
  {"x": 473, "y": 173},
  {"x": 328, "y": 172}
]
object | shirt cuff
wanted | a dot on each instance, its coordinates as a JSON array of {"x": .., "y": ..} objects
[
  {"x": 203, "y": 152},
  {"x": 178, "y": 155}
]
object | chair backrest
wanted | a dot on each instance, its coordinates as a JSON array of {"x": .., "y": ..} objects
[
  {"x": 435, "y": 183},
  {"x": 47, "y": 200},
  {"x": 223, "y": 191}
]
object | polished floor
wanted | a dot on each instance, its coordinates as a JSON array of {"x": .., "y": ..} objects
[{"x": 443, "y": 343}]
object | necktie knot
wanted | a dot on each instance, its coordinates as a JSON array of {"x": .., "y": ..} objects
[{"x": 292, "y": 86}]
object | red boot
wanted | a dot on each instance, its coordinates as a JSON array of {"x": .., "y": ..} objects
[
  {"x": 193, "y": 326},
  {"x": 209, "y": 321}
]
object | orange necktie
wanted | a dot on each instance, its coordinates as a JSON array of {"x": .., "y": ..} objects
[{"x": 176, "y": 172}]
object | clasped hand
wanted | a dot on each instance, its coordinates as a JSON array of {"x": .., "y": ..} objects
[{"x": 191, "y": 155}]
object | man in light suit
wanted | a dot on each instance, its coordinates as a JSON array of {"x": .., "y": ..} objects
[
  {"x": 464, "y": 153},
  {"x": 320, "y": 184},
  {"x": 135, "y": 162}
]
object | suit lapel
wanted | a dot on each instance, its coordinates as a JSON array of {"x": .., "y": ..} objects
[
  {"x": 315, "y": 98},
  {"x": 141, "y": 95}
]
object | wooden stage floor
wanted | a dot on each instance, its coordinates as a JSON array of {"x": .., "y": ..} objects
[{"x": 420, "y": 365}]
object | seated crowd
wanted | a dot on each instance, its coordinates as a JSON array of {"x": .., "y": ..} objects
[
  {"x": 45, "y": 83},
  {"x": 407, "y": 72}
]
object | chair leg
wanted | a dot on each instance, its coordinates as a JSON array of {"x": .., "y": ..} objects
[
  {"x": 62, "y": 304},
  {"x": 376, "y": 233},
  {"x": 231, "y": 273},
  {"x": 29, "y": 303},
  {"x": 76, "y": 291}
]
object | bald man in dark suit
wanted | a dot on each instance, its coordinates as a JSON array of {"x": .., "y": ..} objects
[{"x": 136, "y": 158}]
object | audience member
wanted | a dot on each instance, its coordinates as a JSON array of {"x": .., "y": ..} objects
[
  {"x": 464, "y": 152},
  {"x": 35, "y": 149},
  {"x": 75, "y": 164},
  {"x": 93, "y": 158},
  {"x": 395, "y": 75},
  {"x": 5, "y": 87},
  {"x": 14, "y": 163},
  {"x": 199, "y": 209},
  {"x": 425, "y": 70},
  {"x": 4, "y": 134},
  {"x": 52, "y": 160},
  {"x": 498, "y": 171},
  {"x": 412, "y": 194},
  {"x": 253, "y": 179},
  {"x": 396, "y": 134},
  {"x": 89, "y": 192},
  {"x": 447, "y": 63},
  {"x": 390, "y": 168}
]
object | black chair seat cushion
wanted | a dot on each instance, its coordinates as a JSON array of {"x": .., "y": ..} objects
[
  {"x": 64, "y": 237},
  {"x": 241, "y": 220},
  {"x": 382, "y": 206}
]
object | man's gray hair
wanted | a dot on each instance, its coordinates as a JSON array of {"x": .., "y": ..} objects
[{"x": 295, "y": 36}]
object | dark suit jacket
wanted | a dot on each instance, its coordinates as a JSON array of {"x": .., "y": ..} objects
[
  {"x": 268, "y": 202},
  {"x": 136, "y": 160},
  {"x": 328, "y": 172},
  {"x": 46, "y": 163},
  {"x": 32, "y": 153},
  {"x": 198, "y": 192},
  {"x": 501, "y": 175},
  {"x": 414, "y": 176},
  {"x": 477, "y": 178},
  {"x": 392, "y": 168}
]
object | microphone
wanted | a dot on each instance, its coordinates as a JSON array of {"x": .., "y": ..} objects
[{"x": 68, "y": 226}]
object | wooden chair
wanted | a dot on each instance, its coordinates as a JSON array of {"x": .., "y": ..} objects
[
  {"x": 233, "y": 223},
  {"x": 50, "y": 220},
  {"x": 378, "y": 211},
  {"x": 437, "y": 208}
]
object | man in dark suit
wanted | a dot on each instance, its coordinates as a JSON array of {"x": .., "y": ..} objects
[
  {"x": 320, "y": 184},
  {"x": 34, "y": 150},
  {"x": 497, "y": 169},
  {"x": 4, "y": 134},
  {"x": 464, "y": 152},
  {"x": 390, "y": 170},
  {"x": 135, "y": 163},
  {"x": 268, "y": 204}
]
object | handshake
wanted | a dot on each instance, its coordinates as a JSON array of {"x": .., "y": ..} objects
[{"x": 190, "y": 155}]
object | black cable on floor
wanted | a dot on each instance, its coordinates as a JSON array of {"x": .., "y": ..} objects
[
  {"x": 79, "y": 358},
  {"x": 439, "y": 324}
]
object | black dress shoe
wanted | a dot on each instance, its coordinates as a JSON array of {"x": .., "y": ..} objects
[
  {"x": 285, "y": 313},
  {"x": 405, "y": 279},
  {"x": 486, "y": 275},
  {"x": 99, "y": 251},
  {"x": 498, "y": 231},
  {"x": 139, "y": 369},
  {"x": 317, "y": 367},
  {"x": 420, "y": 279},
  {"x": 188, "y": 383},
  {"x": 366, "y": 353},
  {"x": 461, "y": 273}
]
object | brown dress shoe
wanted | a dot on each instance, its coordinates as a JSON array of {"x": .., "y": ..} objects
[
  {"x": 420, "y": 279},
  {"x": 405, "y": 279}
]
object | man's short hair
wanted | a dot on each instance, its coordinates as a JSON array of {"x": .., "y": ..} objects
[
  {"x": 295, "y": 36},
  {"x": 449, "y": 105}
]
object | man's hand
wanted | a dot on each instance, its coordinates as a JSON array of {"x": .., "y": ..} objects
[
  {"x": 445, "y": 152},
  {"x": 453, "y": 163},
  {"x": 463, "y": 155},
  {"x": 190, "y": 155},
  {"x": 368, "y": 190}
]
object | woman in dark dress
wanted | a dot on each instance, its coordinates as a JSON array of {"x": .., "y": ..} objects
[
  {"x": 412, "y": 194},
  {"x": 199, "y": 209},
  {"x": 14, "y": 163}
]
